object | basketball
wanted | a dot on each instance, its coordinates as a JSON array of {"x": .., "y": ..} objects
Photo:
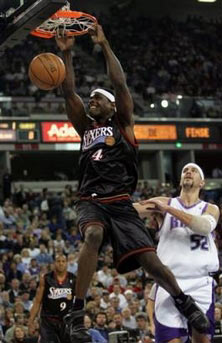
[{"x": 47, "y": 71}]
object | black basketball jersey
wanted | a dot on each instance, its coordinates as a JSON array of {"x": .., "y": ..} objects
[
  {"x": 108, "y": 161},
  {"x": 57, "y": 297}
]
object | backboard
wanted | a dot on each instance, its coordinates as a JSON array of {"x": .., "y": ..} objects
[{"x": 19, "y": 24}]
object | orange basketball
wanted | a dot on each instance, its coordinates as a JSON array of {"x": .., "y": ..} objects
[{"x": 47, "y": 71}]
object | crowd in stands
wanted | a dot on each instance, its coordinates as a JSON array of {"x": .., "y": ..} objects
[
  {"x": 33, "y": 228},
  {"x": 160, "y": 57}
]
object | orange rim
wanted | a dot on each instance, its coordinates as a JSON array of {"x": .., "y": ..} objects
[
  {"x": 42, "y": 33},
  {"x": 72, "y": 14}
]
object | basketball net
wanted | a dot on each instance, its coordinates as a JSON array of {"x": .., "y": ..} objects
[{"x": 71, "y": 23}]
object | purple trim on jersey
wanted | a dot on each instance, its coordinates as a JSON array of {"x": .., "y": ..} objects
[
  {"x": 165, "y": 333},
  {"x": 157, "y": 286},
  {"x": 205, "y": 207},
  {"x": 168, "y": 203},
  {"x": 210, "y": 313},
  {"x": 187, "y": 207}
]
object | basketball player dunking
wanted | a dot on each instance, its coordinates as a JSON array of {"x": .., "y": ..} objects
[
  {"x": 108, "y": 165},
  {"x": 55, "y": 297},
  {"x": 186, "y": 245}
]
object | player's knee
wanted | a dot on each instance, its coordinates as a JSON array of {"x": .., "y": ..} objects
[
  {"x": 94, "y": 236},
  {"x": 152, "y": 264}
]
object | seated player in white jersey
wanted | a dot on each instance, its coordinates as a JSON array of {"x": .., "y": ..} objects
[{"x": 186, "y": 245}]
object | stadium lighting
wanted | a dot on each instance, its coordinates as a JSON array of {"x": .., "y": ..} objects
[
  {"x": 164, "y": 103},
  {"x": 206, "y": 0}
]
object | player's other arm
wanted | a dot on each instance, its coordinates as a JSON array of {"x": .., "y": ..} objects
[
  {"x": 123, "y": 99},
  {"x": 74, "y": 105},
  {"x": 200, "y": 224},
  {"x": 147, "y": 208},
  {"x": 37, "y": 302}
]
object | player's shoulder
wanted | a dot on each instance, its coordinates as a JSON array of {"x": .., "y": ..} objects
[
  {"x": 45, "y": 275},
  {"x": 213, "y": 210},
  {"x": 212, "y": 207},
  {"x": 71, "y": 275}
]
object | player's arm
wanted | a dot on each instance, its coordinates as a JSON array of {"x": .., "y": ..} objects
[
  {"x": 123, "y": 99},
  {"x": 37, "y": 302},
  {"x": 74, "y": 105},
  {"x": 200, "y": 224},
  {"x": 150, "y": 306},
  {"x": 147, "y": 208}
]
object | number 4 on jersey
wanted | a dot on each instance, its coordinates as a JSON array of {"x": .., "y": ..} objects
[{"x": 98, "y": 155}]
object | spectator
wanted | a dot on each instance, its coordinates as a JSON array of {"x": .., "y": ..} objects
[
  {"x": 20, "y": 337},
  {"x": 105, "y": 301},
  {"x": 142, "y": 326},
  {"x": 100, "y": 325},
  {"x": 6, "y": 184},
  {"x": 104, "y": 274},
  {"x": 14, "y": 290},
  {"x": 95, "y": 334},
  {"x": 13, "y": 272},
  {"x": 43, "y": 257},
  {"x": 218, "y": 320},
  {"x": 34, "y": 267},
  {"x": 128, "y": 320},
  {"x": 72, "y": 263},
  {"x": 117, "y": 293}
]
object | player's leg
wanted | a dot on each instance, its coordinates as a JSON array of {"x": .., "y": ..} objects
[
  {"x": 170, "y": 325},
  {"x": 165, "y": 278},
  {"x": 200, "y": 338},
  {"x": 162, "y": 274},
  {"x": 87, "y": 263},
  {"x": 47, "y": 333},
  {"x": 88, "y": 257}
]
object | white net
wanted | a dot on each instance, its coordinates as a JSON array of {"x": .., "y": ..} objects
[{"x": 74, "y": 25}]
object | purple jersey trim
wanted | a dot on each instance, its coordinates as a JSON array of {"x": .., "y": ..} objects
[
  {"x": 210, "y": 313},
  {"x": 165, "y": 333},
  {"x": 187, "y": 207},
  {"x": 205, "y": 207}
]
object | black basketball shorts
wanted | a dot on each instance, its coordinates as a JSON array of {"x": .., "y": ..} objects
[
  {"x": 52, "y": 331},
  {"x": 122, "y": 227}
]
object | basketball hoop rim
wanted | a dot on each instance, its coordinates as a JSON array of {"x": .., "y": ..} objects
[
  {"x": 40, "y": 32},
  {"x": 72, "y": 14}
]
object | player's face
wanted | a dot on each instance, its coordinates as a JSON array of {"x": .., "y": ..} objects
[
  {"x": 100, "y": 107},
  {"x": 61, "y": 264},
  {"x": 191, "y": 178}
]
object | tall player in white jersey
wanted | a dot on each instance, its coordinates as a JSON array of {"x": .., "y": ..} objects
[{"x": 186, "y": 245}]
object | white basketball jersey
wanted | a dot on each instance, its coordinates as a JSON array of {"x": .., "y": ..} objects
[{"x": 187, "y": 254}]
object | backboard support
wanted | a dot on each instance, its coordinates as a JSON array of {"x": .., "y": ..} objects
[{"x": 27, "y": 18}]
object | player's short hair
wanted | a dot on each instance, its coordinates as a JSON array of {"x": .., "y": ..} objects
[{"x": 60, "y": 255}]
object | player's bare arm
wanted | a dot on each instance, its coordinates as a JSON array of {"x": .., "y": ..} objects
[
  {"x": 37, "y": 302},
  {"x": 146, "y": 208},
  {"x": 74, "y": 104},
  {"x": 123, "y": 99},
  {"x": 202, "y": 225}
]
